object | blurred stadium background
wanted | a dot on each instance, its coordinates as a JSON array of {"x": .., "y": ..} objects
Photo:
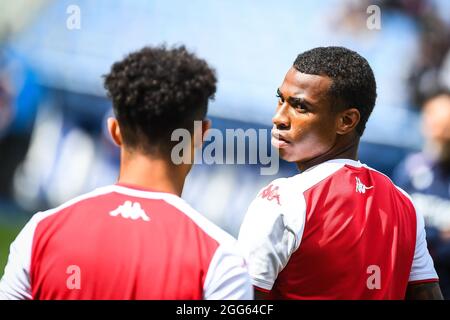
[{"x": 53, "y": 107}]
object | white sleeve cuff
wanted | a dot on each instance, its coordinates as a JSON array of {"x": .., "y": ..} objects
[{"x": 262, "y": 283}]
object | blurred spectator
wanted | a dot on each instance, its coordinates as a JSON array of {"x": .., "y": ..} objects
[
  {"x": 19, "y": 97},
  {"x": 426, "y": 177},
  {"x": 5, "y": 104},
  {"x": 52, "y": 172},
  {"x": 433, "y": 49},
  {"x": 431, "y": 62}
]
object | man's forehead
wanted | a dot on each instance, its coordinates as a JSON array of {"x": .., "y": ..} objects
[{"x": 298, "y": 83}]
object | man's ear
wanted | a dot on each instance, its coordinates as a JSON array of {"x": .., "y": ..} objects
[
  {"x": 206, "y": 125},
  {"x": 114, "y": 131},
  {"x": 347, "y": 121},
  {"x": 200, "y": 133}
]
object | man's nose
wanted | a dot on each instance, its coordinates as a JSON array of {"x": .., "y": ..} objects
[{"x": 281, "y": 119}]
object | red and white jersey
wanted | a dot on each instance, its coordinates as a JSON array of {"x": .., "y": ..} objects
[
  {"x": 339, "y": 230},
  {"x": 119, "y": 242}
]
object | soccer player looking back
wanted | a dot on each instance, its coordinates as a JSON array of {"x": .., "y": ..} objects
[
  {"x": 136, "y": 239},
  {"x": 339, "y": 229}
]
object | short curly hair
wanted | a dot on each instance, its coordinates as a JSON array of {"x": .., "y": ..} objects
[
  {"x": 156, "y": 90},
  {"x": 353, "y": 81}
]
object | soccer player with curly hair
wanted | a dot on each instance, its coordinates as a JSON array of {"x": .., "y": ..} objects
[
  {"x": 339, "y": 229},
  {"x": 136, "y": 239}
]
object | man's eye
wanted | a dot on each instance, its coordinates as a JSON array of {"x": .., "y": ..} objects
[{"x": 300, "y": 107}]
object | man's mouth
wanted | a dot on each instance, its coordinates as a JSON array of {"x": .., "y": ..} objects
[{"x": 279, "y": 141}]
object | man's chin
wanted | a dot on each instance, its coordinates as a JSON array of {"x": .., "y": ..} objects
[{"x": 289, "y": 157}]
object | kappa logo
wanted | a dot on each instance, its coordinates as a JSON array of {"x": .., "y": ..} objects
[
  {"x": 360, "y": 187},
  {"x": 271, "y": 193},
  {"x": 130, "y": 210}
]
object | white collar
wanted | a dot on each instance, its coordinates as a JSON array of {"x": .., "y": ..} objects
[{"x": 350, "y": 162}]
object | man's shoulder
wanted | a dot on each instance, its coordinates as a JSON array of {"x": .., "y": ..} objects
[
  {"x": 282, "y": 198},
  {"x": 91, "y": 198},
  {"x": 292, "y": 188},
  {"x": 275, "y": 190},
  {"x": 121, "y": 201},
  {"x": 389, "y": 183},
  {"x": 210, "y": 228}
]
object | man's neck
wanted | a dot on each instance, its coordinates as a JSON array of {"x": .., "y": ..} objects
[
  {"x": 149, "y": 172},
  {"x": 347, "y": 151}
]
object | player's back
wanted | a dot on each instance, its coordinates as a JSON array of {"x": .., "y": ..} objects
[
  {"x": 340, "y": 230},
  {"x": 122, "y": 243},
  {"x": 358, "y": 241}
]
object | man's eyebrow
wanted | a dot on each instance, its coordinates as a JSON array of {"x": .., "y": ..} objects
[
  {"x": 298, "y": 100},
  {"x": 294, "y": 100}
]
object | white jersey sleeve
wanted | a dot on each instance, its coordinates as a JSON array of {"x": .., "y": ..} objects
[
  {"x": 422, "y": 267},
  {"x": 271, "y": 231},
  {"x": 15, "y": 283},
  {"x": 227, "y": 277}
]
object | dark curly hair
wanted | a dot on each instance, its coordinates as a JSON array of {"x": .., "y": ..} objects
[
  {"x": 157, "y": 90},
  {"x": 353, "y": 82}
]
